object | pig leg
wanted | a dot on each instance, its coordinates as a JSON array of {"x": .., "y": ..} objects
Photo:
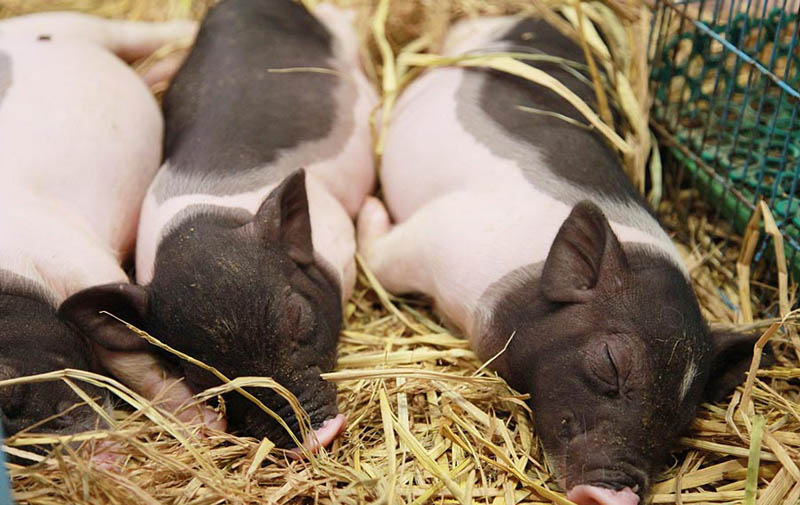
[
  {"x": 162, "y": 70},
  {"x": 411, "y": 256},
  {"x": 432, "y": 251},
  {"x": 143, "y": 373},
  {"x": 421, "y": 254},
  {"x": 129, "y": 40},
  {"x": 392, "y": 253}
]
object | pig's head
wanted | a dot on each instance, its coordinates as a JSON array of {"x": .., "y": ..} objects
[
  {"x": 34, "y": 341},
  {"x": 248, "y": 298},
  {"x": 615, "y": 355}
]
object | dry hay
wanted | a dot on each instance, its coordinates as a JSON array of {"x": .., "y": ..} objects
[{"x": 425, "y": 422}]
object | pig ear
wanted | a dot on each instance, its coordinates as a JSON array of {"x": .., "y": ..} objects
[
  {"x": 585, "y": 254},
  {"x": 731, "y": 355},
  {"x": 126, "y": 301},
  {"x": 284, "y": 218}
]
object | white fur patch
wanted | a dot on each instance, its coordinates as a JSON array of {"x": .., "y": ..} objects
[{"x": 688, "y": 379}]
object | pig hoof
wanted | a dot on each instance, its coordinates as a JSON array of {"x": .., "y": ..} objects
[
  {"x": 214, "y": 421},
  {"x": 107, "y": 457},
  {"x": 203, "y": 415},
  {"x": 373, "y": 222},
  {"x": 322, "y": 436}
]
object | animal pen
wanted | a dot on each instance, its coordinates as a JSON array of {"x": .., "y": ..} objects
[
  {"x": 427, "y": 423},
  {"x": 725, "y": 80}
]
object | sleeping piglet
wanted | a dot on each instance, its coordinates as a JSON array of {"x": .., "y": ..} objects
[
  {"x": 80, "y": 141},
  {"x": 525, "y": 231},
  {"x": 246, "y": 244}
]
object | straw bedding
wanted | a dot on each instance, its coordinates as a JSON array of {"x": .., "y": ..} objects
[{"x": 425, "y": 422}]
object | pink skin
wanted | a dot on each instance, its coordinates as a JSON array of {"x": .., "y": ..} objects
[
  {"x": 66, "y": 241},
  {"x": 129, "y": 40},
  {"x": 107, "y": 457},
  {"x": 322, "y": 437},
  {"x": 158, "y": 75},
  {"x": 70, "y": 205},
  {"x": 143, "y": 373},
  {"x": 593, "y": 495},
  {"x": 191, "y": 413}
]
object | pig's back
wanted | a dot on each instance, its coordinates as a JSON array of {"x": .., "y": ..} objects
[
  {"x": 463, "y": 129},
  {"x": 79, "y": 131},
  {"x": 301, "y": 76}
]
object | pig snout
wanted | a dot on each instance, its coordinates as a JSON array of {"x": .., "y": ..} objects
[
  {"x": 317, "y": 398},
  {"x": 604, "y": 481},
  {"x": 322, "y": 436},
  {"x": 585, "y": 494}
]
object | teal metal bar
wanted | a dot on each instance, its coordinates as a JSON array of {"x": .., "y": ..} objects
[
  {"x": 746, "y": 57},
  {"x": 5, "y": 491}
]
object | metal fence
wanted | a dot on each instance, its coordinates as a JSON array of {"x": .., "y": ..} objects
[{"x": 726, "y": 84}]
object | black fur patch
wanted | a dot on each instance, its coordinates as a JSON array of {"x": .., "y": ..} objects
[
  {"x": 33, "y": 341},
  {"x": 244, "y": 307},
  {"x": 580, "y": 157},
  {"x": 227, "y": 115},
  {"x": 603, "y": 374}
]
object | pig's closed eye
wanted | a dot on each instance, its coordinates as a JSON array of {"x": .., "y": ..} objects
[
  {"x": 298, "y": 317},
  {"x": 604, "y": 367}
]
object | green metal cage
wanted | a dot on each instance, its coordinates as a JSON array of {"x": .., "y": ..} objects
[{"x": 726, "y": 86}]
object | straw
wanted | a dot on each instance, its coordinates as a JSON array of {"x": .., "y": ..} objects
[{"x": 427, "y": 422}]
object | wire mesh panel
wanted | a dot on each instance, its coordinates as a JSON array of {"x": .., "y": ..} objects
[{"x": 726, "y": 84}]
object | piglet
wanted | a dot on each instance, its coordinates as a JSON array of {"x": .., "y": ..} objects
[
  {"x": 524, "y": 230},
  {"x": 246, "y": 244},
  {"x": 80, "y": 141}
]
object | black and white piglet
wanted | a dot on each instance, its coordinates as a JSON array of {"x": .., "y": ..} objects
[
  {"x": 246, "y": 244},
  {"x": 522, "y": 226}
]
